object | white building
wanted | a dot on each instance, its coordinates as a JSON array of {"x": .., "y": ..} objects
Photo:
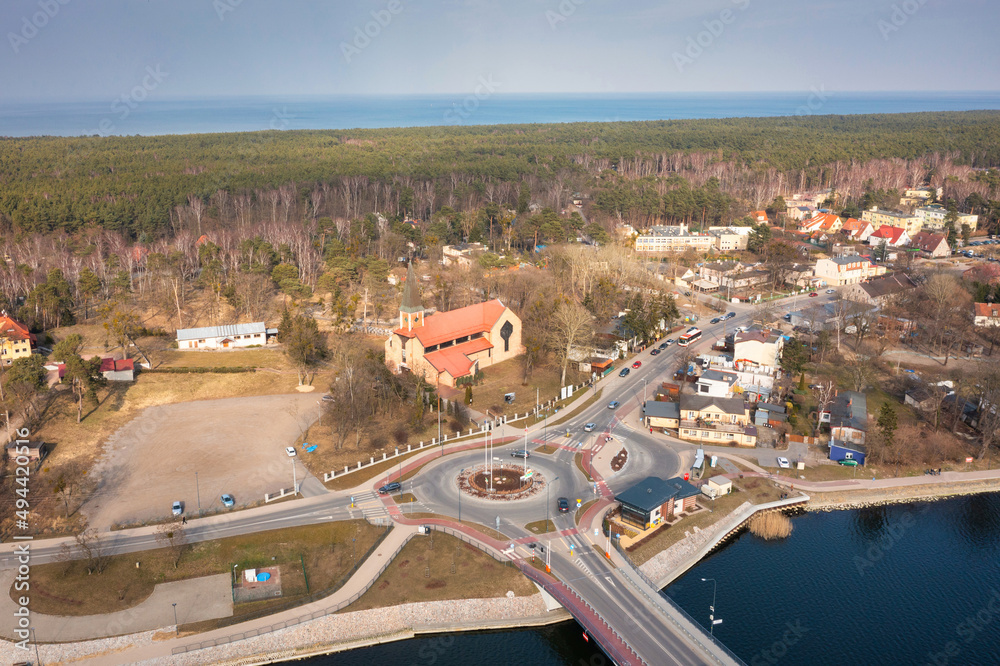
[
  {"x": 846, "y": 270},
  {"x": 716, "y": 383},
  {"x": 223, "y": 337},
  {"x": 932, "y": 218},
  {"x": 672, "y": 239},
  {"x": 760, "y": 347}
]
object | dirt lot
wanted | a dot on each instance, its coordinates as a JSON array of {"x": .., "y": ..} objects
[{"x": 236, "y": 446}]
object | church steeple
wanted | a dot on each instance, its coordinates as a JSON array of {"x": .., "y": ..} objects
[{"x": 411, "y": 312}]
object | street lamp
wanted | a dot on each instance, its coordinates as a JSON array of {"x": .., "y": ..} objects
[
  {"x": 197, "y": 489},
  {"x": 34, "y": 639},
  {"x": 460, "y": 475},
  {"x": 711, "y": 614},
  {"x": 547, "y": 505},
  {"x": 176, "y": 628}
]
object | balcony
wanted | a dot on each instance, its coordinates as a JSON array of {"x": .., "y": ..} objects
[{"x": 699, "y": 424}]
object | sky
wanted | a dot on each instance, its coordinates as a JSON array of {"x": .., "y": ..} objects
[{"x": 77, "y": 50}]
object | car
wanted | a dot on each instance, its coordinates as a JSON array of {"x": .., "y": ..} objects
[
  {"x": 390, "y": 488},
  {"x": 177, "y": 509},
  {"x": 669, "y": 342},
  {"x": 520, "y": 453},
  {"x": 327, "y": 398},
  {"x": 290, "y": 450},
  {"x": 613, "y": 404},
  {"x": 687, "y": 293},
  {"x": 783, "y": 463},
  {"x": 716, "y": 320},
  {"x": 228, "y": 501},
  {"x": 813, "y": 294},
  {"x": 848, "y": 463},
  {"x": 563, "y": 504},
  {"x": 637, "y": 364},
  {"x": 664, "y": 345},
  {"x": 624, "y": 372},
  {"x": 730, "y": 315},
  {"x": 589, "y": 427},
  {"x": 831, "y": 291},
  {"x": 654, "y": 352}
]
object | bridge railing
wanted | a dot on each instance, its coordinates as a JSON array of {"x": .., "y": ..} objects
[
  {"x": 561, "y": 593},
  {"x": 633, "y": 570}
]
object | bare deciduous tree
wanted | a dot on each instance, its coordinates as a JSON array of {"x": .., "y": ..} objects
[{"x": 572, "y": 325}]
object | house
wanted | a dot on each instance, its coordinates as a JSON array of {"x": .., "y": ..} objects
[
  {"x": 987, "y": 314},
  {"x": 920, "y": 398},
  {"x": 839, "y": 271},
  {"x": 16, "y": 340},
  {"x": 223, "y": 337},
  {"x": 654, "y": 500},
  {"x": 718, "y": 420},
  {"x": 828, "y": 223},
  {"x": 918, "y": 196},
  {"x": 935, "y": 245},
  {"x": 758, "y": 347},
  {"x": 118, "y": 370},
  {"x": 932, "y": 217},
  {"x": 798, "y": 212},
  {"x": 889, "y": 236},
  {"x": 717, "y": 486},
  {"x": 857, "y": 230},
  {"x": 986, "y": 273},
  {"x": 759, "y": 216},
  {"x": 848, "y": 417},
  {"x": 769, "y": 414},
  {"x": 730, "y": 239},
  {"x": 840, "y": 450},
  {"x": 716, "y": 384},
  {"x": 879, "y": 291},
  {"x": 448, "y": 346},
  {"x": 665, "y": 415},
  {"x": 18, "y": 449},
  {"x": 461, "y": 255},
  {"x": 673, "y": 239},
  {"x": 889, "y": 218}
]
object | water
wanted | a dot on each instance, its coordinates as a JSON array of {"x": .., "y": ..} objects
[
  {"x": 238, "y": 114},
  {"x": 887, "y": 585}
]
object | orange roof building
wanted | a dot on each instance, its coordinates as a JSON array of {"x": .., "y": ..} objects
[
  {"x": 15, "y": 339},
  {"x": 446, "y": 346}
]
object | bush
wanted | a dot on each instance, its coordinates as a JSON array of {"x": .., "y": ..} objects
[{"x": 401, "y": 435}]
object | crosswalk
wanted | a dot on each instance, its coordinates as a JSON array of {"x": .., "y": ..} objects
[{"x": 367, "y": 505}]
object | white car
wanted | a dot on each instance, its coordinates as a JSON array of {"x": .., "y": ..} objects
[
  {"x": 589, "y": 427},
  {"x": 290, "y": 450},
  {"x": 831, "y": 291},
  {"x": 177, "y": 509},
  {"x": 783, "y": 463}
]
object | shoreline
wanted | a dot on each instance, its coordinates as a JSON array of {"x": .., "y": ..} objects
[{"x": 843, "y": 500}]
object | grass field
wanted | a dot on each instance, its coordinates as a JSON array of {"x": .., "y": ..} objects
[
  {"x": 326, "y": 550},
  {"x": 507, "y": 377},
  {"x": 439, "y": 567}
]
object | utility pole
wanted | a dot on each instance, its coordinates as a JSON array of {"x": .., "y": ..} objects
[
  {"x": 197, "y": 489},
  {"x": 295, "y": 483}
]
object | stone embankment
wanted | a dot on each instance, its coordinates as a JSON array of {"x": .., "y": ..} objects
[{"x": 860, "y": 499}]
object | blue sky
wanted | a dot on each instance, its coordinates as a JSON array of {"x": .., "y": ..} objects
[{"x": 101, "y": 49}]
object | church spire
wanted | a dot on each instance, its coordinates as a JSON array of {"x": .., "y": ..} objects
[{"x": 411, "y": 312}]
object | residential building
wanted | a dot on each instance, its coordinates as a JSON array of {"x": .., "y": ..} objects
[
  {"x": 718, "y": 420},
  {"x": 716, "y": 383},
  {"x": 653, "y": 501},
  {"x": 987, "y": 273},
  {"x": 660, "y": 414},
  {"x": 934, "y": 245},
  {"x": 890, "y": 218},
  {"x": 796, "y": 212},
  {"x": 857, "y": 230},
  {"x": 918, "y": 196},
  {"x": 828, "y": 223},
  {"x": 758, "y": 347},
  {"x": 463, "y": 254},
  {"x": 759, "y": 216},
  {"x": 673, "y": 239},
  {"x": 730, "y": 239},
  {"x": 448, "y": 346},
  {"x": 118, "y": 370},
  {"x": 921, "y": 398},
  {"x": 224, "y": 337},
  {"x": 768, "y": 414},
  {"x": 932, "y": 218},
  {"x": 987, "y": 314},
  {"x": 15, "y": 339},
  {"x": 889, "y": 236},
  {"x": 841, "y": 450},
  {"x": 846, "y": 270},
  {"x": 848, "y": 417},
  {"x": 879, "y": 291}
]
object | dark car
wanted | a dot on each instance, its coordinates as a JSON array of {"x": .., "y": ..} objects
[
  {"x": 663, "y": 345},
  {"x": 563, "y": 505},
  {"x": 654, "y": 352},
  {"x": 395, "y": 486},
  {"x": 520, "y": 453},
  {"x": 716, "y": 320},
  {"x": 624, "y": 372},
  {"x": 730, "y": 315}
]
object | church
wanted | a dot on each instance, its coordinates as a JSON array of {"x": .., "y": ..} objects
[{"x": 446, "y": 346}]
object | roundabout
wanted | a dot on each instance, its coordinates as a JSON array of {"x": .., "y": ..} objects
[{"x": 502, "y": 482}]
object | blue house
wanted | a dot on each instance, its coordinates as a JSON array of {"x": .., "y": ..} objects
[{"x": 840, "y": 450}]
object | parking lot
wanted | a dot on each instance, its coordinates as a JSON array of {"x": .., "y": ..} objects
[{"x": 235, "y": 446}]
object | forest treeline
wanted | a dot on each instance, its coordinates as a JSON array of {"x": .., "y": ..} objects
[{"x": 135, "y": 186}]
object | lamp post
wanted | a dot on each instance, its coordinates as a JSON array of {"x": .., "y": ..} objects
[
  {"x": 644, "y": 391},
  {"x": 460, "y": 475},
  {"x": 711, "y": 614},
  {"x": 34, "y": 639},
  {"x": 547, "y": 505},
  {"x": 176, "y": 628},
  {"x": 197, "y": 488}
]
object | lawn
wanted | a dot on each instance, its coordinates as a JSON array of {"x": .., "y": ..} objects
[
  {"x": 258, "y": 358},
  {"x": 754, "y": 490},
  {"x": 540, "y": 526},
  {"x": 507, "y": 377},
  {"x": 326, "y": 551},
  {"x": 439, "y": 567}
]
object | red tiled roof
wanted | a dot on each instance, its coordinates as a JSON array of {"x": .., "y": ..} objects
[
  {"x": 892, "y": 234},
  {"x": 447, "y": 326},
  {"x": 927, "y": 241},
  {"x": 988, "y": 310},
  {"x": 116, "y": 365},
  {"x": 14, "y": 330},
  {"x": 455, "y": 359},
  {"x": 826, "y": 220}
]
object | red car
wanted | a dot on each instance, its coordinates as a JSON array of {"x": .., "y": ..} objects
[
  {"x": 637, "y": 364},
  {"x": 813, "y": 294}
]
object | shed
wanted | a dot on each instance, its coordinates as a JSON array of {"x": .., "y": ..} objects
[
  {"x": 115, "y": 370},
  {"x": 33, "y": 450},
  {"x": 717, "y": 486},
  {"x": 841, "y": 450}
]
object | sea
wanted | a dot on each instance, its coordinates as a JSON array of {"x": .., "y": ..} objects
[
  {"x": 907, "y": 584},
  {"x": 149, "y": 116}
]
